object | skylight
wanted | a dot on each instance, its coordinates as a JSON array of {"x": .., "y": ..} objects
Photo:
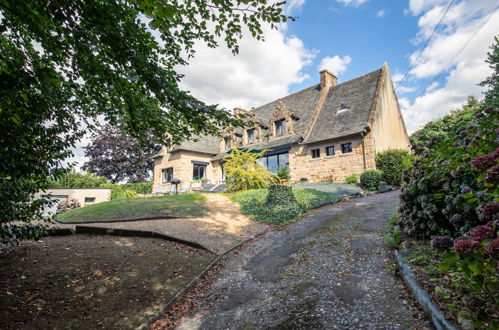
[{"x": 343, "y": 108}]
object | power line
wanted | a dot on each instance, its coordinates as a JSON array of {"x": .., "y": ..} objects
[
  {"x": 425, "y": 45},
  {"x": 473, "y": 35}
]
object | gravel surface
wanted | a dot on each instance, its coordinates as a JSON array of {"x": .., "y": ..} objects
[
  {"x": 220, "y": 229},
  {"x": 327, "y": 270}
]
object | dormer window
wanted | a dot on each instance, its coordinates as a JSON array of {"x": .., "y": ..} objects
[
  {"x": 280, "y": 127},
  {"x": 227, "y": 141},
  {"x": 251, "y": 135},
  {"x": 343, "y": 108}
]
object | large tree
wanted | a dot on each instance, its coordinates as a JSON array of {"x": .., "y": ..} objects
[
  {"x": 65, "y": 63},
  {"x": 120, "y": 157}
]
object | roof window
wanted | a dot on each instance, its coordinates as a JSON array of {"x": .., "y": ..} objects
[{"x": 343, "y": 108}]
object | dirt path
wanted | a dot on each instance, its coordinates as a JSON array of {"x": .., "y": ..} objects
[
  {"x": 325, "y": 271},
  {"x": 219, "y": 230}
]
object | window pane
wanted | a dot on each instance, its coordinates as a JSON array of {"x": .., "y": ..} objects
[
  {"x": 251, "y": 135},
  {"x": 283, "y": 160},
  {"x": 263, "y": 161},
  {"x": 347, "y": 147},
  {"x": 195, "y": 170},
  {"x": 202, "y": 171},
  {"x": 330, "y": 150},
  {"x": 272, "y": 164},
  {"x": 280, "y": 127}
]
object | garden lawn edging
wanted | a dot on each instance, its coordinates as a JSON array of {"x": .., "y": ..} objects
[
  {"x": 434, "y": 313},
  {"x": 118, "y": 220}
]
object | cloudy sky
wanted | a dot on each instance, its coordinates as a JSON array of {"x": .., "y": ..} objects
[{"x": 352, "y": 38}]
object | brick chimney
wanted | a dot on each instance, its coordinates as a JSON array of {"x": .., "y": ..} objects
[{"x": 328, "y": 79}]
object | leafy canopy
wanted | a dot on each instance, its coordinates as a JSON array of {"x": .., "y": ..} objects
[
  {"x": 243, "y": 171},
  {"x": 66, "y": 63},
  {"x": 73, "y": 179}
]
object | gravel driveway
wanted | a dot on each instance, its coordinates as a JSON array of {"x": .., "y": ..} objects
[{"x": 325, "y": 271}]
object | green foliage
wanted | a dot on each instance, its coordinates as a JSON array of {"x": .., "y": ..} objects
[
  {"x": 64, "y": 64},
  {"x": 392, "y": 163},
  {"x": 392, "y": 234},
  {"x": 446, "y": 127},
  {"x": 444, "y": 192},
  {"x": 78, "y": 180},
  {"x": 243, "y": 171},
  {"x": 279, "y": 194},
  {"x": 477, "y": 269},
  {"x": 184, "y": 206},
  {"x": 139, "y": 187},
  {"x": 370, "y": 179},
  {"x": 254, "y": 204},
  {"x": 352, "y": 178},
  {"x": 492, "y": 82},
  {"x": 283, "y": 173},
  {"x": 453, "y": 185}
]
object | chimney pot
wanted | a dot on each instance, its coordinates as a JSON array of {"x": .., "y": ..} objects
[{"x": 328, "y": 79}]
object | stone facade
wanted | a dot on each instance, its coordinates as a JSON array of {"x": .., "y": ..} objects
[
  {"x": 335, "y": 167},
  {"x": 363, "y": 112}
]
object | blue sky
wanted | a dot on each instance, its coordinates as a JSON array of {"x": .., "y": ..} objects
[
  {"x": 352, "y": 38},
  {"x": 371, "y": 34}
]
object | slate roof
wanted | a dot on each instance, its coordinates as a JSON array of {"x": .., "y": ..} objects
[
  {"x": 358, "y": 95},
  {"x": 345, "y": 111},
  {"x": 205, "y": 144}
]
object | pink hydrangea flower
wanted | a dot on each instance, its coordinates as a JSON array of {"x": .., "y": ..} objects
[
  {"x": 465, "y": 246},
  {"x": 480, "y": 233},
  {"x": 492, "y": 248}
]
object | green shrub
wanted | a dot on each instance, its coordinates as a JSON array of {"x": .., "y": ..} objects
[
  {"x": 279, "y": 194},
  {"x": 77, "y": 180},
  {"x": 352, "y": 178},
  {"x": 254, "y": 203},
  {"x": 127, "y": 193},
  {"x": 139, "y": 187},
  {"x": 243, "y": 171},
  {"x": 283, "y": 173},
  {"x": 370, "y": 179},
  {"x": 392, "y": 163},
  {"x": 451, "y": 186}
]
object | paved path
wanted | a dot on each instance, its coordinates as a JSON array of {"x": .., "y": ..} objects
[
  {"x": 327, "y": 271},
  {"x": 219, "y": 230}
]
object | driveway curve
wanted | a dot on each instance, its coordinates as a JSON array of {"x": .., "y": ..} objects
[{"x": 326, "y": 271}]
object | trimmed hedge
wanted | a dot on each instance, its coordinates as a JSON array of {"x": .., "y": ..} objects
[
  {"x": 370, "y": 179},
  {"x": 392, "y": 163},
  {"x": 128, "y": 189}
]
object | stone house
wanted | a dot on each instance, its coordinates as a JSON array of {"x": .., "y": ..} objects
[{"x": 325, "y": 131}]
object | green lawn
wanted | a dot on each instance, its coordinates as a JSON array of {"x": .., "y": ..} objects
[
  {"x": 190, "y": 205},
  {"x": 253, "y": 204}
]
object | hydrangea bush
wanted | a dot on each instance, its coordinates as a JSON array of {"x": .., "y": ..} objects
[
  {"x": 474, "y": 258},
  {"x": 452, "y": 186}
]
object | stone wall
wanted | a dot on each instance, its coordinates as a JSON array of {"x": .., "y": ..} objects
[
  {"x": 181, "y": 162},
  {"x": 335, "y": 167}
]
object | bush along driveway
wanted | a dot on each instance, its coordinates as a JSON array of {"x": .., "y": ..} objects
[{"x": 325, "y": 271}]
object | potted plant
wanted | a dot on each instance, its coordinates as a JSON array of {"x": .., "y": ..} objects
[{"x": 283, "y": 174}]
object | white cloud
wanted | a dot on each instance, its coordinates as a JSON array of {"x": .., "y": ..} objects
[
  {"x": 404, "y": 103},
  {"x": 293, "y": 6},
  {"x": 261, "y": 72},
  {"x": 335, "y": 64},
  {"x": 405, "y": 89},
  {"x": 353, "y": 3},
  {"x": 381, "y": 13},
  {"x": 432, "y": 87},
  {"x": 456, "y": 55}
]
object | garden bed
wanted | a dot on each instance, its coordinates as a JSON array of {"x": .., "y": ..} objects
[
  {"x": 253, "y": 204},
  {"x": 448, "y": 290},
  {"x": 181, "y": 206},
  {"x": 92, "y": 282}
]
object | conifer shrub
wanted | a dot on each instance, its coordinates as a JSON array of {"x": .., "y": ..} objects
[
  {"x": 392, "y": 163},
  {"x": 370, "y": 179}
]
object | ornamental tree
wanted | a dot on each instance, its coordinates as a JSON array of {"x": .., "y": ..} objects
[
  {"x": 63, "y": 64},
  {"x": 120, "y": 157}
]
